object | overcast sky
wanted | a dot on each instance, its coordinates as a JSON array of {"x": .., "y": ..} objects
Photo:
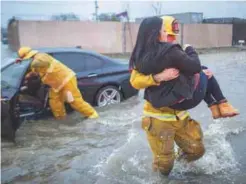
[{"x": 85, "y": 9}]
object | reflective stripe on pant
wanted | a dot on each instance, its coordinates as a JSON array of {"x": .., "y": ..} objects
[
  {"x": 161, "y": 136},
  {"x": 71, "y": 94}
]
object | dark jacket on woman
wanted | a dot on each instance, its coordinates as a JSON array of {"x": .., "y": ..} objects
[{"x": 171, "y": 92}]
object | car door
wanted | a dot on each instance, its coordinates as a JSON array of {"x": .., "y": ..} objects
[
  {"x": 16, "y": 106},
  {"x": 94, "y": 72},
  {"x": 87, "y": 68},
  {"x": 29, "y": 104}
]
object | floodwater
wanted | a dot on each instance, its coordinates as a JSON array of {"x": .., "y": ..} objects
[{"x": 113, "y": 149}]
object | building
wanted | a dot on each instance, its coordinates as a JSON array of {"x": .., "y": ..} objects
[
  {"x": 224, "y": 20},
  {"x": 183, "y": 18},
  {"x": 238, "y": 27},
  {"x": 189, "y": 17}
]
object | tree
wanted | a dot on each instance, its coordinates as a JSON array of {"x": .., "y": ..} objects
[
  {"x": 108, "y": 17},
  {"x": 11, "y": 20},
  {"x": 157, "y": 7},
  {"x": 65, "y": 17}
]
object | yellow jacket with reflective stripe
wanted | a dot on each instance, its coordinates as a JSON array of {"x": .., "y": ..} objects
[
  {"x": 56, "y": 74},
  {"x": 140, "y": 81}
]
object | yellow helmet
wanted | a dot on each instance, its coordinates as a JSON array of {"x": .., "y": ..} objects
[
  {"x": 171, "y": 25},
  {"x": 26, "y": 52}
]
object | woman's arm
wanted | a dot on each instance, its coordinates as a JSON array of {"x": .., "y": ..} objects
[{"x": 186, "y": 61}]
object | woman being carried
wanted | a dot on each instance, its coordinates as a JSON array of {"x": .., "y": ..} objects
[{"x": 205, "y": 85}]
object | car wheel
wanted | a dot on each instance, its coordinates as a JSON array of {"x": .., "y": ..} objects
[{"x": 108, "y": 95}]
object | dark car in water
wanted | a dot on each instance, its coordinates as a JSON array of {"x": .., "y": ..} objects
[{"x": 102, "y": 81}]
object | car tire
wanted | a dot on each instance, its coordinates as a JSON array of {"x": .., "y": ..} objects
[{"x": 108, "y": 95}]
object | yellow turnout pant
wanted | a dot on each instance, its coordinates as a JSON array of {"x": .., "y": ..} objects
[
  {"x": 71, "y": 94},
  {"x": 161, "y": 135}
]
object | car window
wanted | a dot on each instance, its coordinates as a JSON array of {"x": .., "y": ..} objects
[
  {"x": 13, "y": 74},
  {"x": 92, "y": 62},
  {"x": 72, "y": 60}
]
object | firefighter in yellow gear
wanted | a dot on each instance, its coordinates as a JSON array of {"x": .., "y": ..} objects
[
  {"x": 61, "y": 80},
  {"x": 165, "y": 126}
]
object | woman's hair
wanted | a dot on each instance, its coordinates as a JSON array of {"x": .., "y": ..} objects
[{"x": 147, "y": 43}]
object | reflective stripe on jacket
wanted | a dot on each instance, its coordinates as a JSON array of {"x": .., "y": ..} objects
[
  {"x": 164, "y": 114},
  {"x": 140, "y": 81}
]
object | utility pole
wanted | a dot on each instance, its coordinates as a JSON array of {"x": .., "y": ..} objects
[
  {"x": 96, "y": 10},
  {"x": 128, "y": 9}
]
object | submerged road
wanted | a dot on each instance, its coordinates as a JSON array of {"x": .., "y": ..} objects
[{"x": 114, "y": 149}]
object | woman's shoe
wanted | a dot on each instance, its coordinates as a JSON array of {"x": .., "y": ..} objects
[
  {"x": 227, "y": 110},
  {"x": 215, "y": 111}
]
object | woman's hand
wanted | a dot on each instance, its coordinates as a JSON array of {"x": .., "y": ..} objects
[
  {"x": 166, "y": 75},
  {"x": 208, "y": 73},
  {"x": 186, "y": 46}
]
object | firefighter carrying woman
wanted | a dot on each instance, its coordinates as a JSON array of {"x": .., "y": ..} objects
[{"x": 174, "y": 81}]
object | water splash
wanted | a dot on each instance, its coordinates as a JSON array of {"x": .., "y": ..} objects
[{"x": 219, "y": 158}]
